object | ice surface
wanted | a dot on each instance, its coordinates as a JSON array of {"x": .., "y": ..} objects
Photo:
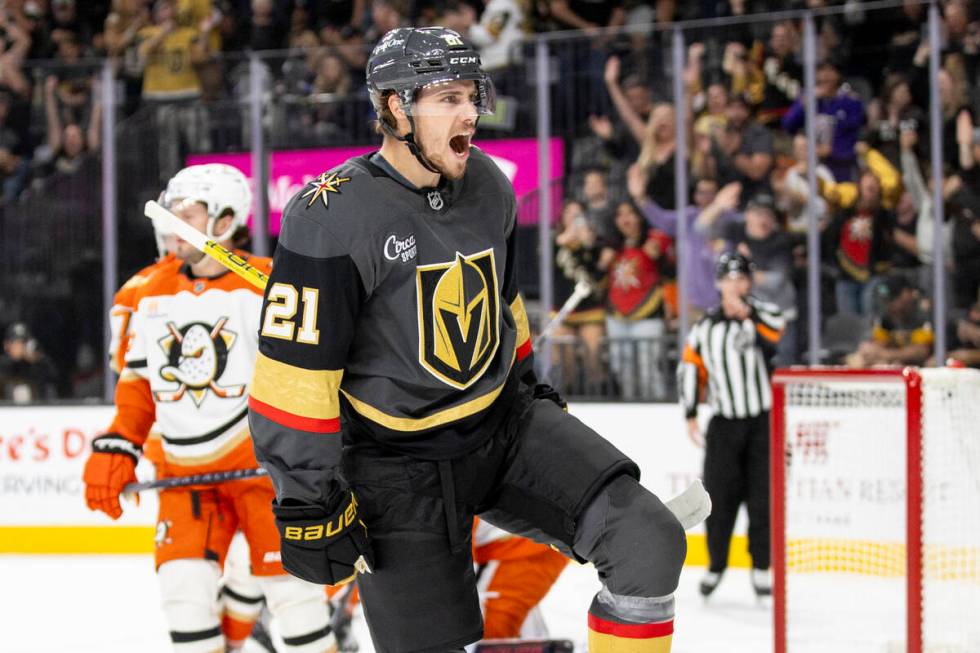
[{"x": 109, "y": 604}]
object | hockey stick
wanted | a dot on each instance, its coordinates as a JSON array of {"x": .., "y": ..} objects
[
  {"x": 692, "y": 506},
  {"x": 340, "y": 621},
  {"x": 582, "y": 290},
  {"x": 209, "y": 478},
  {"x": 226, "y": 257}
]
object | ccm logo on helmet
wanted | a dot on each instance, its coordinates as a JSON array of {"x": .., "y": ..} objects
[{"x": 463, "y": 60}]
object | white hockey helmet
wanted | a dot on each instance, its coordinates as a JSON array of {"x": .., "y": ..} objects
[{"x": 220, "y": 187}]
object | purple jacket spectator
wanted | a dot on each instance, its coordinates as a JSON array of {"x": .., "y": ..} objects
[
  {"x": 698, "y": 258},
  {"x": 839, "y": 122}
]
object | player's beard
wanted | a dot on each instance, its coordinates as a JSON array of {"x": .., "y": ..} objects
[
  {"x": 452, "y": 169},
  {"x": 188, "y": 253}
]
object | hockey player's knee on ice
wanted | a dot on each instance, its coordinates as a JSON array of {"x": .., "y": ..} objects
[
  {"x": 189, "y": 593},
  {"x": 635, "y": 542},
  {"x": 300, "y": 610}
]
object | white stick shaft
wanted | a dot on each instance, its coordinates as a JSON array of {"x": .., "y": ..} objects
[
  {"x": 175, "y": 225},
  {"x": 582, "y": 290}
]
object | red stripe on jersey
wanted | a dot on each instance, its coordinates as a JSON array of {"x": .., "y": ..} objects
[
  {"x": 524, "y": 350},
  {"x": 298, "y": 422},
  {"x": 631, "y": 631}
]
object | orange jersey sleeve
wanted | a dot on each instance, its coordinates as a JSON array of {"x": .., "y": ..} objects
[{"x": 123, "y": 305}]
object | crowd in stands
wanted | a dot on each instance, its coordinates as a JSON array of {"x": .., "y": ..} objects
[
  {"x": 747, "y": 171},
  {"x": 182, "y": 61}
]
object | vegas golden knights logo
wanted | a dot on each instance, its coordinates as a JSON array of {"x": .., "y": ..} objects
[{"x": 459, "y": 317}]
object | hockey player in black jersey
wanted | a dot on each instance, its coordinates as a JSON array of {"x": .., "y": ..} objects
[{"x": 393, "y": 397}]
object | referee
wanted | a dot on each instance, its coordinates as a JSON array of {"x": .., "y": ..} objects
[{"x": 730, "y": 350}]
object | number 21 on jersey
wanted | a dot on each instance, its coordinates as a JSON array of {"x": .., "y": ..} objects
[{"x": 278, "y": 322}]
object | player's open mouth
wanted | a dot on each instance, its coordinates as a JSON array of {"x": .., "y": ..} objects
[{"x": 460, "y": 144}]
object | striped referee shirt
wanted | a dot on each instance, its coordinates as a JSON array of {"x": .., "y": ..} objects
[{"x": 731, "y": 357}]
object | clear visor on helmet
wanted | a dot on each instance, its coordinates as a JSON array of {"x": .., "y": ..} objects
[{"x": 455, "y": 96}]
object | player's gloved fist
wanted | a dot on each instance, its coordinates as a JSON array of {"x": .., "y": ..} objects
[
  {"x": 111, "y": 465},
  {"x": 324, "y": 547}
]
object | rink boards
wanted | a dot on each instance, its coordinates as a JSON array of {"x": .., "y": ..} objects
[{"x": 43, "y": 451}]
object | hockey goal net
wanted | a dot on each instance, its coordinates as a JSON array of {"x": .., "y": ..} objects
[{"x": 876, "y": 510}]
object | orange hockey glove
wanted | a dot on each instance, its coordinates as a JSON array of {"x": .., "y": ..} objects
[{"x": 111, "y": 465}]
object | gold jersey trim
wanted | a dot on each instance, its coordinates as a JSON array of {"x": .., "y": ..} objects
[
  {"x": 307, "y": 393},
  {"x": 439, "y": 418}
]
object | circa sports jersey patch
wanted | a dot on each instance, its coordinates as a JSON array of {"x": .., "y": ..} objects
[
  {"x": 397, "y": 248},
  {"x": 322, "y": 186},
  {"x": 459, "y": 317},
  {"x": 197, "y": 355}
]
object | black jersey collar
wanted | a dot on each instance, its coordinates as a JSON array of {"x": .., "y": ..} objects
[{"x": 436, "y": 198}]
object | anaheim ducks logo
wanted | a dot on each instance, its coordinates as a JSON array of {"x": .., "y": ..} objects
[
  {"x": 197, "y": 355},
  {"x": 458, "y": 317}
]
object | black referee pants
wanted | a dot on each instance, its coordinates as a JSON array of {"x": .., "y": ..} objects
[{"x": 736, "y": 470}]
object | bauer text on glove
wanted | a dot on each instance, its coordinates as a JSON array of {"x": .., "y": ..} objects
[{"x": 325, "y": 547}]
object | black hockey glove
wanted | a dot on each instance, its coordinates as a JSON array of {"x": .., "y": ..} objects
[{"x": 327, "y": 548}]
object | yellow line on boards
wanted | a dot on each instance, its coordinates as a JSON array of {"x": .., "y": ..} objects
[
  {"x": 76, "y": 539},
  {"x": 139, "y": 539}
]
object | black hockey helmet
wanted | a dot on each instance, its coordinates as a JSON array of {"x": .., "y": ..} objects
[
  {"x": 733, "y": 263},
  {"x": 409, "y": 58}
]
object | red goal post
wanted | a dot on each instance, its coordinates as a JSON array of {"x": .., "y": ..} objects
[{"x": 875, "y": 503}]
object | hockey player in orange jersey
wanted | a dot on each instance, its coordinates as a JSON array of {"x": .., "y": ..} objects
[
  {"x": 193, "y": 341},
  {"x": 514, "y": 575},
  {"x": 241, "y": 596},
  {"x": 123, "y": 305}
]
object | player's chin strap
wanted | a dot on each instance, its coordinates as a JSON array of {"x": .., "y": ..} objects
[{"x": 409, "y": 140}]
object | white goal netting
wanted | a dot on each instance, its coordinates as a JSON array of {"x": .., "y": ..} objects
[{"x": 843, "y": 510}]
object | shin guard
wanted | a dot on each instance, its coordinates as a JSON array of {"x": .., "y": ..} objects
[{"x": 300, "y": 609}]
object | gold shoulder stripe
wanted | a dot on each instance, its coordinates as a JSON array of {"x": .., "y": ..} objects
[
  {"x": 307, "y": 393},
  {"x": 520, "y": 318}
]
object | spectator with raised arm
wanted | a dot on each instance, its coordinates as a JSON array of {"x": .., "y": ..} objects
[
  {"x": 759, "y": 238},
  {"x": 13, "y": 50},
  {"x": 954, "y": 101},
  {"x": 783, "y": 71},
  {"x": 633, "y": 102},
  {"x": 171, "y": 83},
  {"x": 67, "y": 143},
  {"x": 840, "y": 117},
  {"x": 710, "y": 207},
  {"x": 586, "y": 60},
  {"x": 859, "y": 238},
  {"x": 122, "y": 26}
]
